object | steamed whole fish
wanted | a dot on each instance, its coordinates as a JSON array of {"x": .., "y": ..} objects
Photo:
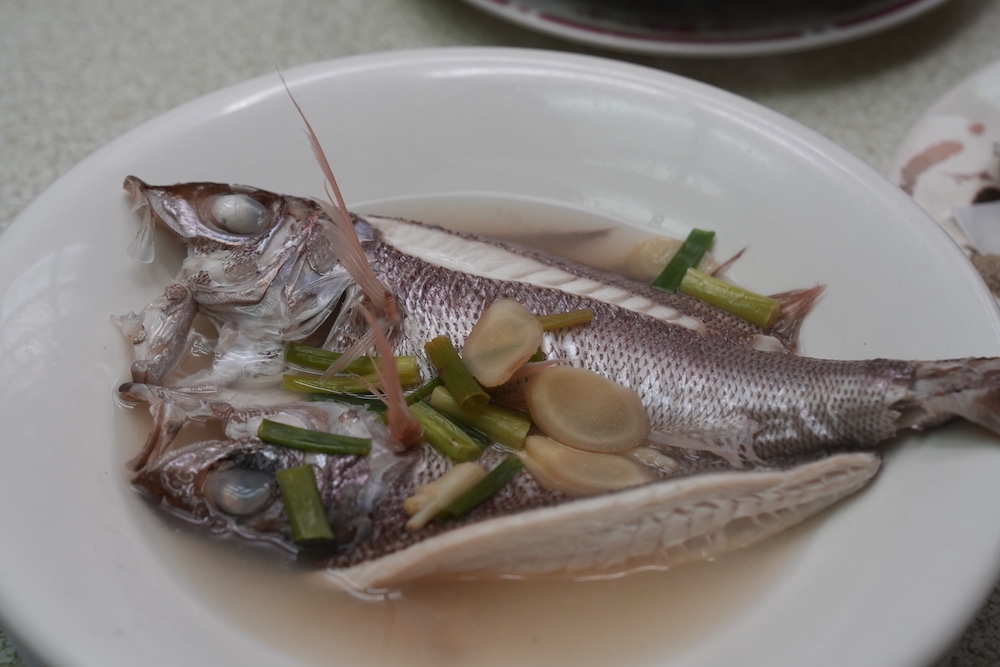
[{"x": 759, "y": 440}]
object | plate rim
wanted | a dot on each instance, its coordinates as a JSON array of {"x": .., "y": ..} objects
[{"x": 518, "y": 13}]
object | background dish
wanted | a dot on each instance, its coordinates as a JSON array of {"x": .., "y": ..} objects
[
  {"x": 105, "y": 583},
  {"x": 712, "y": 28},
  {"x": 951, "y": 155}
]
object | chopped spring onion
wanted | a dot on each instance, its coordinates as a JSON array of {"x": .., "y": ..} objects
[
  {"x": 485, "y": 489},
  {"x": 460, "y": 383},
  {"x": 423, "y": 391},
  {"x": 431, "y": 498},
  {"x": 347, "y": 384},
  {"x": 339, "y": 384},
  {"x": 445, "y": 435},
  {"x": 689, "y": 254},
  {"x": 585, "y": 410},
  {"x": 502, "y": 425},
  {"x": 310, "y": 440},
  {"x": 754, "y": 308},
  {"x": 570, "y": 318},
  {"x": 316, "y": 358},
  {"x": 370, "y": 402},
  {"x": 306, "y": 513}
]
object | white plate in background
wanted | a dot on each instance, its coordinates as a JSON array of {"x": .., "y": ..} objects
[
  {"x": 663, "y": 31},
  {"x": 951, "y": 155}
]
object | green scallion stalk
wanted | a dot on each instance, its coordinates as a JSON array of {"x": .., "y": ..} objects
[
  {"x": 754, "y": 308},
  {"x": 502, "y": 425},
  {"x": 688, "y": 256},
  {"x": 445, "y": 435},
  {"x": 319, "y": 359},
  {"x": 304, "y": 506},
  {"x": 457, "y": 378},
  {"x": 311, "y": 441},
  {"x": 485, "y": 489},
  {"x": 338, "y": 384},
  {"x": 370, "y": 402},
  {"x": 423, "y": 391},
  {"x": 570, "y": 318}
]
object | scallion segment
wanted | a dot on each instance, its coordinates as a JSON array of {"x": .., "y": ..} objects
[
  {"x": 338, "y": 384},
  {"x": 754, "y": 308},
  {"x": 370, "y": 402},
  {"x": 570, "y": 318},
  {"x": 502, "y": 425},
  {"x": 456, "y": 377},
  {"x": 315, "y": 358},
  {"x": 310, "y": 440},
  {"x": 688, "y": 256},
  {"x": 485, "y": 489},
  {"x": 423, "y": 391},
  {"x": 429, "y": 499},
  {"x": 304, "y": 505},
  {"x": 445, "y": 435}
]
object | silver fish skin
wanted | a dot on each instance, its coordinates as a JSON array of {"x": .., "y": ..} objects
[
  {"x": 730, "y": 414},
  {"x": 525, "y": 530},
  {"x": 262, "y": 268}
]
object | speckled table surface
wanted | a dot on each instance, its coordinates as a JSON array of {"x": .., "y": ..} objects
[{"x": 76, "y": 75}]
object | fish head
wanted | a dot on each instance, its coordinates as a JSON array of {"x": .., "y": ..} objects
[
  {"x": 229, "y": 487},
  {"x": 226, "y": 486}
]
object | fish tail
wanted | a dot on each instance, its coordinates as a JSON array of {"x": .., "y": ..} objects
[
  {"x": 942, "y": 390},
  {"x": 795, "y": 305}
]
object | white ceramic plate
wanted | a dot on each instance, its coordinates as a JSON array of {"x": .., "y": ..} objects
[
  {"x": 665, "y": 30},
  {"x": 952, "y": 153},
  {"x": 89, "y": 575}
]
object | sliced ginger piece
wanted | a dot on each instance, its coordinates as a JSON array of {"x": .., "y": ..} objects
[
  {"x": 578, "y": 473},
  {"x": 585, "y": 410},
  {"x": 502, "y": 341},
  {"x": 647, "y": 259}
]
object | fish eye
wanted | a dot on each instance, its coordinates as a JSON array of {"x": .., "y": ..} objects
[
  {"x": 237, "y": 213},
  {"x": 240, "y": 492}
]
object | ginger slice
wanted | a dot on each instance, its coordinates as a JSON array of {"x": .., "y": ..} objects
[
  {"x": 582, "y": 409},
  {"x": 579, "y": 473},
  {"x": 502, "y": 341}
]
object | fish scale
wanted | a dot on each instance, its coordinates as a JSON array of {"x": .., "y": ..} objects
[{"x": 800, "y": 405}]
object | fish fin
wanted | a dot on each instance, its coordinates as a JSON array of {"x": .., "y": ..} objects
[
  {"x": 725, "y": 266},
  {"x": 350, "y": 252},
  {"x": 942, "y": 390},
  {"x": 535, "y": 367},
  {"x": 359, "y": 348},
  {"x": 169, "y": 417},
  {"x": 795, "y": 305},
  {"x": 732, "y": 442},
  {"x": 403, "y": 425}
]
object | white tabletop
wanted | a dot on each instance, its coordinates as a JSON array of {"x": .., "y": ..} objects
[{"x": 78, "y": 74}]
